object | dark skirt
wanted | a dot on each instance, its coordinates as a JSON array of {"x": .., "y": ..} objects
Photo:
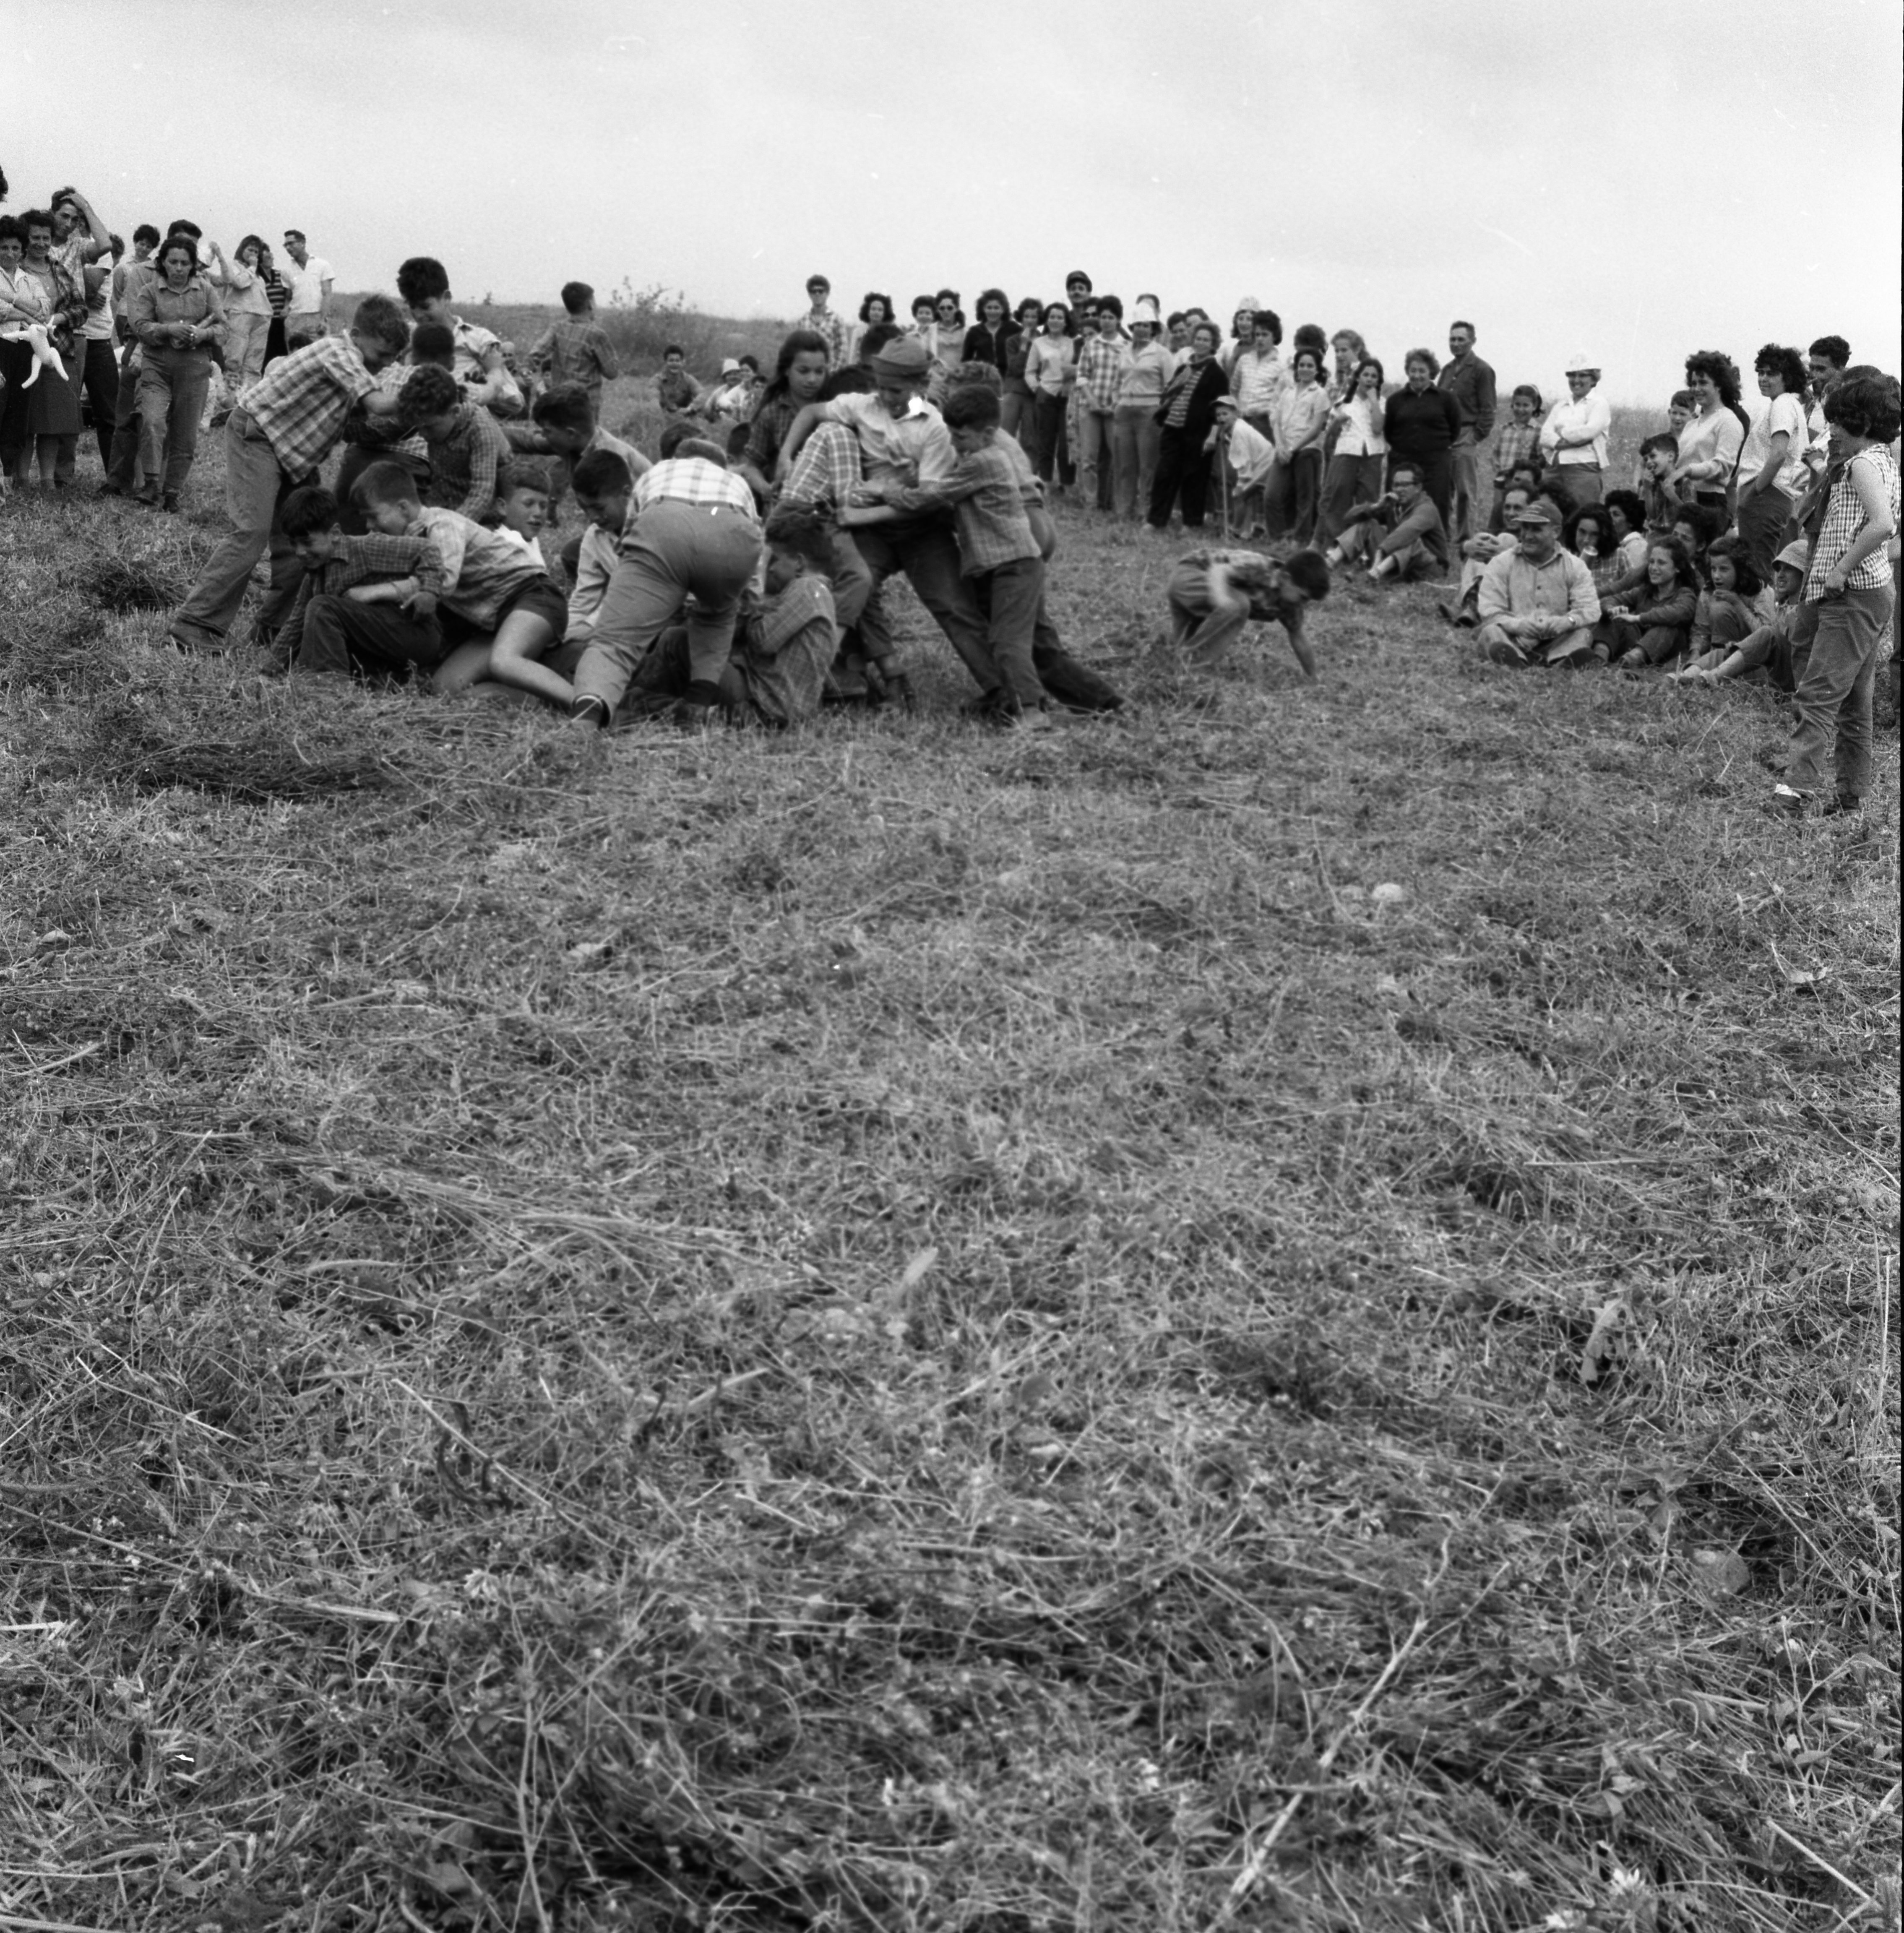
[
  {"x": 16, "y": 365},
  {"x": 274, "y": 344},
  {"x": 52, "y": 407}
]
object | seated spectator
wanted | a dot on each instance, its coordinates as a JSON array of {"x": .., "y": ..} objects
[
  {"x": 1213, "y": 593},
  {"x": 1400, "y": 535},
  {"x": 1771, "y": 469},
  {"x": 1463, "y": 610},
  {"x": 1518, "y": 443},
  {"x": 1650, "y": 625},
  {"x": 1769, "y": 647},
  {"x": 1588, "y": 532},
  {"x": 1733, "y": 606},
  {"x": 1626, "y": 516},
  {"x": 1420, "y": 423},
  {"x": 1574, "y": 437},
  {"x": 674, "y": 389},
  {"x": 1537, "y": 602},
  {"x": 1710, "y": 444}
]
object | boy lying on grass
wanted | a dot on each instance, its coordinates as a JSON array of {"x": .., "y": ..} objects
[
  {"x": 1213, "y": 593},
  {"x": 366, "y": 604}
]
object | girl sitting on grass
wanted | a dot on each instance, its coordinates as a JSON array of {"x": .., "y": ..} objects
[
  {"x": 1651, "y": 624},
  {"x": 1733, "y": 606}
]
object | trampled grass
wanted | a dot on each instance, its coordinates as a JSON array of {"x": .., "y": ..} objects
[{"x": 884, "y": 1328}]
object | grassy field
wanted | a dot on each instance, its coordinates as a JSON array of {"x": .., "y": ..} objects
[{"x": 891, "y": 1329}]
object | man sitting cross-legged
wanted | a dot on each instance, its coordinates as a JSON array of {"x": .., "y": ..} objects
[{"x": 1537, "y": 602}]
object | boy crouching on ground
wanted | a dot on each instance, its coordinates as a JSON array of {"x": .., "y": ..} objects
[
  {"x": 502, "y": 612},
  {"x": 604, "y": 489},
  {"x": 365, "y": 604},
  {"x": 783, "y": 643},
  {"x": 1213, "y": 593}
]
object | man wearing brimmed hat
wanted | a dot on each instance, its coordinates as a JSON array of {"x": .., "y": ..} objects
[
  {"x": 1537, "y": 602},
  {"x": 1574, "y": 437},
  {"x": 906, "y": 451}
]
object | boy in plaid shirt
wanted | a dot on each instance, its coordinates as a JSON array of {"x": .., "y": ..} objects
[
  {"x": 1102, "y": 359},
  {"x": 577, "y": 351},
  {"x": 288, "y": 423},
  {"x": 999, "y": 553},
  {"x": 1518, "y": 442},
  {"x": 354, "y": 609},
  {"x": 467, "y": 448}
]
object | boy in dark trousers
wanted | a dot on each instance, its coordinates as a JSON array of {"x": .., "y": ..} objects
[{"x": 334, "y": 626}]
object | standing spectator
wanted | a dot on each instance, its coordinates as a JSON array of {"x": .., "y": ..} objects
[
  {"x": 1050, "y": 369},
  {"x": 1188, "y": 410},
  {"x": 1242, "y": 331},
  {"x": 1471, "y": 383},
  {"x": 990, "y": 338},
  {"x": 24, "y": 304},
  {"x": 1256, "y": 374},
  {"x": 1136, "y": 436},
  {"x": 831, "y": 329},
  {"x": 176, "y": 315},
  {"x": 1851, "y": 585},
  {"x": 1351, "y": 353},
  {"x": 277, "y": 293},
  {"x": 1772, "y": 472},
  {"x": 875, "y": 312},
  {"x": 1710, "y": 444},
  {"x": 1519, "y": 443},
  {"x": 1420, "y": 423},
  {"x": 310, "y": 279},
  {"x": 81, "y": 242},
  {"x": 1293, "y": 488},
  {"x": 577, "y": 350},
  {"x": 1354, "y": 474},
  {"x": 123, "y": 467},
  {"x": 53, "y": 406},
  {"x": 1574, "y": 437},
  {"x": 246, "y": 300},
  {"x": 1015, "y": 401},
  {"x": 1103, "y": 358}
]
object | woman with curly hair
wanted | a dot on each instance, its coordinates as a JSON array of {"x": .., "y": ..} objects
[
  {"x": 1772, "y": 474},
  {"x": 1651, "y": 624},
  {"x": 1850, "y": 585},
  {"x": 875, "y": 309},
  {"x": 178, "y": 319},
  {"x": 1626, "y": 519},
  {"x": 51, "y": 428},
  {"x": 1354, "y": 474},
  {"x": 1709, "y": 443},
  {"x": 1420, "y": 424},
  {"x": 990, "y": 338},
  {"x": 1015, "y": 402}
]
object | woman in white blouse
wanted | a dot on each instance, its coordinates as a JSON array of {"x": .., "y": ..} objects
[
  {"x": 1709, "y": 444},
  {"x": 1354, "y": 471},
  {"x": 1574, "y": 437},
  {"x": 1050, "y": 368},
  {"x": 1772, "y": 472},
  {"x": 246, "y": 309}
]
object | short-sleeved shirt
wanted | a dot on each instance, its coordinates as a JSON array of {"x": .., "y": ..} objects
[
  {"x": 1844, "y": 518},
  {"x": 307, "y": 284},
  {"x": 692, "y": 480},
  {"x": 1787, "y": 413}
]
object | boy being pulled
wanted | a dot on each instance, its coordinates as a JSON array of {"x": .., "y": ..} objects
[
  {"x": 366, "y": 604},
  {"x": 783, "y": 643},
  {"x": 502, "y": 612},
  {"x": 999, "y": 552},
  {"x": 466, "y": 447}
]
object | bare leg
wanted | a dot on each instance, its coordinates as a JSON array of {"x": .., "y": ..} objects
[
  {"x": 466, "y": 666},
  {"x": 514, "y": 651}
]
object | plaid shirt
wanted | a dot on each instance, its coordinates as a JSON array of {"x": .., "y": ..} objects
[
  {"x": 826, "y": 472},
  {"x": 784, "y": 645},
  {"x": 463, "y": 465},
  {"x": 692, "y": 480},
  {"x": 1844, "y": 518},
  {"x": 577, "y": 352},
  {"x": 839, "y": 337},
  {"x": 987, "y": 494},
  {"x": 1518, "y": 442},
  {"x": 300, "y": 402},
  {"x": 373, "y": 559},
  {"x": 481, "y": 569},
  {"x": 1101, "y": 365}
]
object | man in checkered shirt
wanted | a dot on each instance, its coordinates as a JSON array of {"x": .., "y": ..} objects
[
  {"x": 693, "y": 531},
  {"x": 289, "y": 422}
]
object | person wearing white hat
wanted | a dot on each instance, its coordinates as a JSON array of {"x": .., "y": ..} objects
[
  {"x": 1574, "y": 437},
  {"x": 1135, "y": 436},
  {"x": 1243, "y": 330}
]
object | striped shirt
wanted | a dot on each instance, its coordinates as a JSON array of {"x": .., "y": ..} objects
[
  {"x": 300, "y": 402},
  {"x": 1844, "y": 518}
]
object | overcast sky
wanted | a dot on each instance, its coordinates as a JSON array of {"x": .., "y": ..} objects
[{"x": 1628, "y": 180}]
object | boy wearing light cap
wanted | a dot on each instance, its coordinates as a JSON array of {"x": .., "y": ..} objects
[{"x": 1769, "y": 648}]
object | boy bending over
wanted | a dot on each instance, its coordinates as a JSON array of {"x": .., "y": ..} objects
[
  {"x": 1213, "y": 593},
  {"x": 783, "y": 642},
  {"x": 365, "y": 603},
  {"x": 467, "y": 448}
]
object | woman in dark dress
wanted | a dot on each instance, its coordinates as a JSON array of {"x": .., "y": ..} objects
[
  {"x": 278, "y": 292},
  {"x": 1188, "y": 409},
  {"x": 1420, "y": 424},
  {"x": 990, "y": 339}
]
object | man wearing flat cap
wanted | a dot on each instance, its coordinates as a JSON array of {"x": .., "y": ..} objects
[{"x": 1537, "y": 602}]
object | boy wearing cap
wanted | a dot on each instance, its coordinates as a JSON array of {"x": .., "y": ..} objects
[
  {"x": 1537, "y": 603},
  {"x": 821, "y": 320},
  {"x": 1769, "y": 648}
]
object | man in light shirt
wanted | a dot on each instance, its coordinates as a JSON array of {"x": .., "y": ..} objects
[{"x": 308, "y": 316}]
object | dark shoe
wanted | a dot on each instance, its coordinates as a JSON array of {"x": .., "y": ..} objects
[
  {"x": 1846, "y": 805},
  {"x": 148, "y": 497},
  {"x": 698, "y": 709},
  {"x": 109, "y": 489},
  {"x": 1785, "y": 804},
  {"x": 170, "y": 503}
]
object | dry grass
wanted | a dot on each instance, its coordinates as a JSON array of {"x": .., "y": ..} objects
[{"x": 883, "y": 1329}]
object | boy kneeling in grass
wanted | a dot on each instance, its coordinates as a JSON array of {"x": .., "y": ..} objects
[
  {"x": 783, "y": 640},
  {"x": 366, "y": 604},
  {"x": 504, "y": 613},
  {"x": 1213, "y": 593},
  {"x": 466, "y": 445},
  {"x": 604, "y": 489}
]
